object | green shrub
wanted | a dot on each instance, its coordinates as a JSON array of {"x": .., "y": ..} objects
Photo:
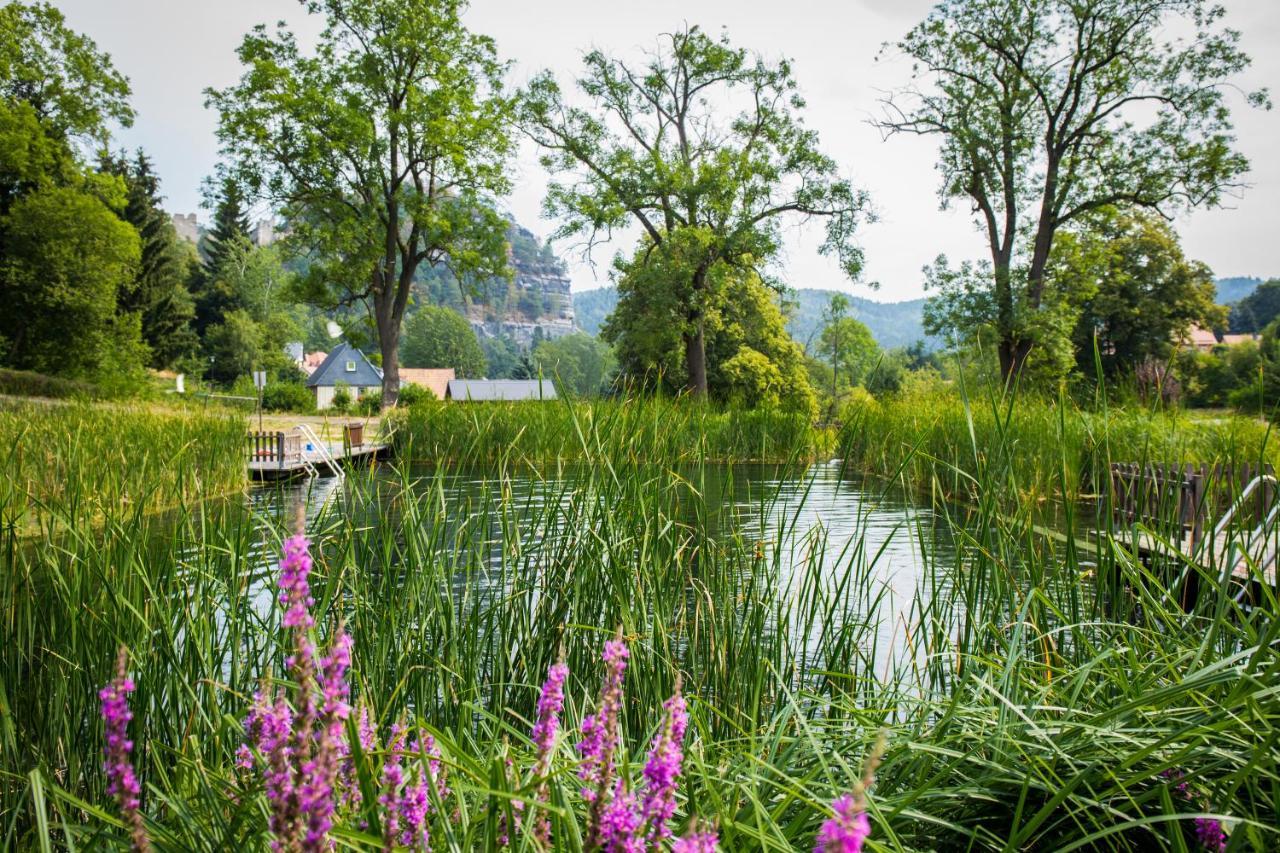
[
  {"x": 341, "y": 399},
  {"x": 288, "y": 397},
  {"x": 413, "y": 393},
  {"x": 369, "y": 404},
  {"x": 24, "y": 383}
]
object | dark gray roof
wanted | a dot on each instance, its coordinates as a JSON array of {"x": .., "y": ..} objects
[
  {"x": 334, "y": 369},
  {"x": 502, "y": 389}
]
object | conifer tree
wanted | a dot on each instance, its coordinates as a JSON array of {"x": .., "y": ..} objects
[{"x": 158, "y": 294}]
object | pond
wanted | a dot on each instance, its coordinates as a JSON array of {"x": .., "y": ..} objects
[{"x": 818, "y": 512}]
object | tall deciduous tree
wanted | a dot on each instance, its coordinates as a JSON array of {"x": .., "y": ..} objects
[
  {"x": 1050, "y": 110},
  {"x": 700, "y": 144},
  {"x": 435, "y": 336},
  {"x": 380, "y": 147}
]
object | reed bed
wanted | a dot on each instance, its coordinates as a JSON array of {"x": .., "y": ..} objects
[
  {"x": 1032, "y": 696},
  {"x": 1041, "y": 448},
  {"x": 69, "y": 465},
  {"x": 649, "y": 429}
]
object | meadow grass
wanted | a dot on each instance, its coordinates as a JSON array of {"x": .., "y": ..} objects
[
  {"x": 69, "y": 465},
  {"x": 1032, "y": 694}
]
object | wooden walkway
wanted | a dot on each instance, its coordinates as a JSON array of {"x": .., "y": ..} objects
[
  {"x": 1220, "y": 519},
  {"x": 287, "y": 455}
]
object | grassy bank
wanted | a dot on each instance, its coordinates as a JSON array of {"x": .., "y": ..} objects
[
  {"x": 1035, "y": 448},
  {"x": 72, "y": 464},
  {"x": 641, "y": 430},
  {"x": 1033, "y": 697}
]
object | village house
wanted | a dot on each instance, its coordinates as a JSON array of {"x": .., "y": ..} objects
[
  {"x": 345, "y": 367},
  {"x": 434, "y": 379}
]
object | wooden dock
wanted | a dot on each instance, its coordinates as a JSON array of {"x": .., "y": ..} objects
[
  {"x": 1220, "y": 519},
  {"x": 289, "y": 455}
]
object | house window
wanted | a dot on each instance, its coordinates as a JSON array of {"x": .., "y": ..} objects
[{"x": 351, "y": 367}]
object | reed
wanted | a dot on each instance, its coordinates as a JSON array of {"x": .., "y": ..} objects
[
  {"x": 648, "y": 429},
  {"x": 1042, "y": 448},
  {"x": 70, "y": 465},
  {"x": 1033, "y": 696}
]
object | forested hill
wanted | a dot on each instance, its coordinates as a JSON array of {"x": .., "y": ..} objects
[
  {"x": 893, "y": 324},
  {"x": 1234, "y": 289}
]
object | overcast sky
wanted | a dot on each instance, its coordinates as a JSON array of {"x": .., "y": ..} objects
[{"x": 172, "y": 49}]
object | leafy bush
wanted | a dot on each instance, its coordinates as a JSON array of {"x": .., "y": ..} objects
[
  {"x": 288, "y": 397},
  {"x": 412, "y": 393},
  {"x": 24, "y": 383},
  {"x": 369, "y": 404},
  {"x": 341, "y": 399}
]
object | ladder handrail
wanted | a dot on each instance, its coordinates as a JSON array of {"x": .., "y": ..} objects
[
  {"x": 1248, "y": 490},
  {"x": 322, "y": 449}
]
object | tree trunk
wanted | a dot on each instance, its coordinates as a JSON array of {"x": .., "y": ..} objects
[
  {"x": 695, "y": 359},
  {"x": 389, "y": 343}
]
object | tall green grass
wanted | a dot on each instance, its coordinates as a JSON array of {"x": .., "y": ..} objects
[
  {"x": 69, "y": 465},
  {"x": 640, "y": 430},
  {"x": 1042, "y": 447},
  {"x": 1033, "y": 694}
]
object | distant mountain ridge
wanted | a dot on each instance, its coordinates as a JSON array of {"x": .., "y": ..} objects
[{"x": 892, "y": 324}]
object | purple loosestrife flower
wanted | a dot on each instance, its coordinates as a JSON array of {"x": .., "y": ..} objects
[
  {"x": 662, "y": 771},
  {"x": 846, "y": 830},
  {"x": 295, "y": 588},
  {"x": 1210, "y": 834},
  {"x": 320, "y": 773},
  {"x": 392, "y": 782},
  {"x": 121, "y": 781},
  {"x": 697, "y": 841},
  {"x": 550, "y": 704},
  {"x": 600, "y": 738},
  {"x": 270, "y": 726},
  {"x": 620, "y": 824}
]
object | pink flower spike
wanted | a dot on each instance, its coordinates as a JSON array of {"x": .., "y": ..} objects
[
  {"x": 697, "y": 841},
  {"x": 662, "y": 771},
  {"x": 122, "y": 783},
  {"x": 846, "y": 830}
]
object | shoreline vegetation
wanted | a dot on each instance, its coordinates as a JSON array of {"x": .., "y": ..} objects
[
  {"x": 75, "y": 465},
  {"x": 1029, "y": 696}
]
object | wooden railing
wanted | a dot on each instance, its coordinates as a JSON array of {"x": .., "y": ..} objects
[
  {"x": 1182, "y": 502},
  {"x": 281, "y": 448}
]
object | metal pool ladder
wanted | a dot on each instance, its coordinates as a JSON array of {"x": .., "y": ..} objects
[{"x": 322, "y": 450}]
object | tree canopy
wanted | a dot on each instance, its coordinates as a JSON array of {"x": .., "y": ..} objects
[
  {"x": 1131, "y": 289},
  {"x": 435, "y": 336},
  {"x": 702, "y": 146},
  {"x": 380, "y": 147},
  {"x": 1050, "y": 110}
]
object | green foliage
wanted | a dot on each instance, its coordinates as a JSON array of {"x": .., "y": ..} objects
[
  {"x": 233, "y": 347},
  {"x": 1131, "y": 289},
  {"x": 626, "y": 430},
  {"x": 435, "y": 336},
  {"x": 1054, "y": 109},
  {"x": 73, "y": 88},
  {"x": 412, "y": 393},
  {"x": 341, "y": 401},
  {"x": 383, "y": 145},
  {"x": 66, "y": 256},
  {"x": 738, "y": 311},
  {"x": 288, "y": 397},
  {"x": 579, "y": 364},
  {"x": 158, "y": 294},
  {"x": 502, "y": 357},
  {"x": 68, "y": 467},
  {"x": 714, "y": 174},
  {"x": 849, "y": 347},
  {"x": 22, "y": 383}
]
